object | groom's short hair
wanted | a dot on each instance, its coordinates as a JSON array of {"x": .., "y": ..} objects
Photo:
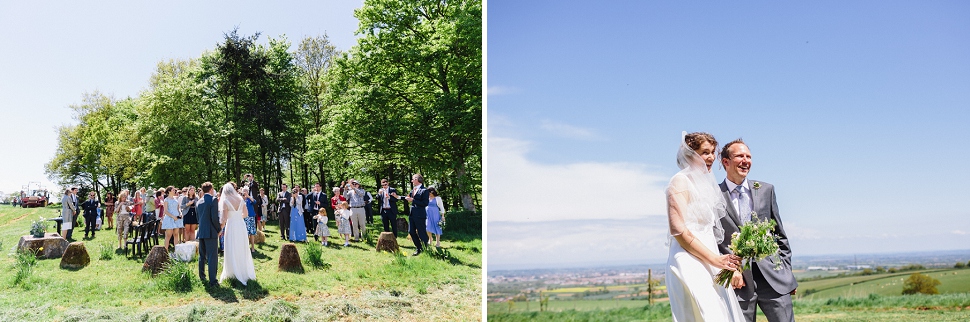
[
  {"x": 206, "y": 187},
  {"x": 725, "y": 154}
]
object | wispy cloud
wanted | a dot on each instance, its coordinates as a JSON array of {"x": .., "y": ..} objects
[
  {"x": 959, "y": 232},
  {"x": 569, "y": 131},
  {"x": 501, "y": 90},
  {"x": 522, "y": 190}
]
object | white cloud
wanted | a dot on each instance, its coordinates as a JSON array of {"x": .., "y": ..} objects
[
  {"x": 501, "y": 90},
  {"x": 959, "y": 232},
  {"x": 521, "y": 190},
  {"x": 577, "y": 243},
  {"x": 568, "y": 131}
]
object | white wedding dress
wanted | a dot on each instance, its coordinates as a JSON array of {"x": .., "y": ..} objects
[
  {"x": 238, "y": 261},
  {"x": 690, "y": 282}
]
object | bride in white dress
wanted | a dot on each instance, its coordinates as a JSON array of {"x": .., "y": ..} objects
[
  {"x": 238, "y": 261},
  {"x": 694, "y": 208}
]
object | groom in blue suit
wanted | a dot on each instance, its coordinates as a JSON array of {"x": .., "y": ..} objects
[
  {"x": 208, "y": 234},
  {"x": 419, "y": 201}
]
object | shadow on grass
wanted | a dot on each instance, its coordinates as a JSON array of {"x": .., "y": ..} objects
[
  {"x": 224, "y": 294},
  {"x": 251, "y": 291},
  {"x": 445, "y": 255}
]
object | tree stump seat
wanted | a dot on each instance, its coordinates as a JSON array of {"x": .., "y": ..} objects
[
  {"x": 387, "y": 242},
  {"x": 156, "y": 260}
]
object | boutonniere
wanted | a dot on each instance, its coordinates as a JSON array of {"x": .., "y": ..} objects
[{"x": 757, "y": 185}]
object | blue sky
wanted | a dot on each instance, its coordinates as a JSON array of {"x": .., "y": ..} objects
[
  {"x": 857, "y": 112},
  {"x": 53, "y": 52}
]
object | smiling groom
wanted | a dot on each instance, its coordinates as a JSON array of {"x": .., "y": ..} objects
[{"x": 762, "y": 285}]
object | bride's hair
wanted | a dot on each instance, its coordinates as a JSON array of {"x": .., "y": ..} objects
[{"x": 696, "y": 139}]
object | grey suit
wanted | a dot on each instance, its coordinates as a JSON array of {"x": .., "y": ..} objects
[
  {"x": 763, "y": 285},
  {"x": 208, "y": 235},
  {"x": 68, "y": 211}
]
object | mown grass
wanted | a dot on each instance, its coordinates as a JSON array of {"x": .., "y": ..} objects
[{"x": 354, "y": 283}]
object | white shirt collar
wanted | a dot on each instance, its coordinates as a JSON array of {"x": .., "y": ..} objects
[{"x": 731, "y": 184}]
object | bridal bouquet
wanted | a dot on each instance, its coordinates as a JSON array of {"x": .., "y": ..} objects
[{"x": 753, "y": 242}]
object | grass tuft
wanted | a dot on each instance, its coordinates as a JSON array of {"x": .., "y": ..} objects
[
  {"x": 176, "y": 276},
  {"x": 313, "y": 256},
  {"x": 24, "y": 266},
  {"x": 106, "y": 251}
]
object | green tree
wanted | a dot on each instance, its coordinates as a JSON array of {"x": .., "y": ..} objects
[
  {"x": 920, "y": 283},
  {"x": 408, "y": 96},
  {"x": 960, "y": 265}
]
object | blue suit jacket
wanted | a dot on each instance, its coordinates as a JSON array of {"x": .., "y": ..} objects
[
  {"x": 208, "y": 212},
  {"x": 420, "y": 202}
]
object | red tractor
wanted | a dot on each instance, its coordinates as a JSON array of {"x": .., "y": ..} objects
[{"x": 34, "y": 195}]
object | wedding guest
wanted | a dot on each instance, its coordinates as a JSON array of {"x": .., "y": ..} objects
[
  {"x": 435, "y": 210},
  {"x": 368, "y": 209},
  {"x": 90, "y": 208},
  {"x": 77, "y": 208},
  {"x": 148, "y": 199},
  {"x": 68, "y": 212},
  {"x": 109, "y": 209},
  {"x": 355, "y": 196},
  {"x": 123, "y": 220},
  {"x": 342, "y": 214},
  {"x": 314, "y": 199},
  {"x": 190, "y": 219},
  {"x": 297, "y": 229},
  {"x": 307, "y": 212},
  {"x": 253, "y": 190},
  {"x": 159, "y": 207},
  {"x": 322, "y": 230},
  {"x": 336, "y": 200},
  {"x": 172, "y": 215},
  {"x": 262, "y": 215},
  {"x": 387, "y": 201},
  {"x": 419, "y": 203},
  {"x": 283, "y": 199},
  {"x": 137, "y": 204},
  {"x": 250, "y": 218}
]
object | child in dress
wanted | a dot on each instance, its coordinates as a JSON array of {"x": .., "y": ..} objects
[
  {"x": 343, "y": 216},
  {"x": 322, "y": 229}
]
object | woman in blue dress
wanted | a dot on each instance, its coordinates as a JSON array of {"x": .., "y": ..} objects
[
  {"x": 250, "y": 219},
  {"x": 297, "y": 227},
  {"x": 435, "y": 209}
]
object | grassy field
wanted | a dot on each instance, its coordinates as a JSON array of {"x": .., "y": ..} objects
[
  {"x": 951, "y": 281},
  {"x": 357, "y": 283},
  {"x": 852, "y": 298},
  {"x": 909, "y": 308}
]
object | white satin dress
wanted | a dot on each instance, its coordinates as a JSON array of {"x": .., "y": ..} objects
[
  {"x": 237, "y": 260},
  {"x": 690, "y": 282}
]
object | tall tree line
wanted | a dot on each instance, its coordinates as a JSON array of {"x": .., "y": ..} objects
[{"x": 406, "y": 99}]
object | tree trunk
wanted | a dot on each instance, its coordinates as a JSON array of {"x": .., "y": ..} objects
[{"x": 466, "y": 197}]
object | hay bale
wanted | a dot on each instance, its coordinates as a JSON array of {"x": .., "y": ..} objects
[
  {"x": 260, "y": 238},
  {"x": 76, "y": 256},
  {"x": 155, "y": 262},
  {"x": 387, "y": 242},
  {"x": 290, "y": 259}
]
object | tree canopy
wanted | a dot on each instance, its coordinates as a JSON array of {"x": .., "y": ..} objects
[{"x": 406, "y": 99}]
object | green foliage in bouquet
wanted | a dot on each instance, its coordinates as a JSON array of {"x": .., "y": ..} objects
[
  {"x": 38, "y": 227},
  {"x": 753, "y": 242}
]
